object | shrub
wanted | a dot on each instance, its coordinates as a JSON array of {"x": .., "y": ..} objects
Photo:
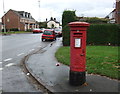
[
  {"x": 97, "y": 34},
  {"x": 5, "y": 30},
  {"x": 14, "y": 29},
  {"x": 102, "y": 34},
  {"x": 67, "y": 17},
  {"x": 96, "y": 20},
  {"x": 66, "y": 35},
  {"x": 43, "y": 24},
  {"x": 29, "y": 30}
]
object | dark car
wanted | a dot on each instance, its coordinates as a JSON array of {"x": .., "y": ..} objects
[
  {"x": 48, "y": 35},
  {"x": 37, "y": 30},
  {"x": 58, "y": 32}
]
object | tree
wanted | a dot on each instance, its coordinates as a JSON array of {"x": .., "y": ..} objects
[
  {"x": 43, "y": 24},
  {"x": 67, "y": 17}
]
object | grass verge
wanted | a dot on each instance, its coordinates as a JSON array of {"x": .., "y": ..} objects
[
  {"x": 15, "y": 32},
  {"x": 101, "y": 60}
]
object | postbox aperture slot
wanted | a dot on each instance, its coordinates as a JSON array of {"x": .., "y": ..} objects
[
  {"x": 77, "y": 33},
  {"x": 77, "y": 42}
]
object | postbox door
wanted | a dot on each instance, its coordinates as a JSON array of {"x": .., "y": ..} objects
[{"x": 78, "y": 55}]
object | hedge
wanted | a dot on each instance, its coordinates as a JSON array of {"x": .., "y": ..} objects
[
  {"x": 103, "y": 34},
  {"x": 66, "y": 35},
  {"x": 67, "y": 17},
  {"x": 97, "y": 34}
]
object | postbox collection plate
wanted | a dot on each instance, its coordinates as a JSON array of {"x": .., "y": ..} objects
[{"x": 77, "y": 42}]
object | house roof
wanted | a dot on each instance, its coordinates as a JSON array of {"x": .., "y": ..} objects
[
  {"x": 110, "y": 13},
  {"x": 54, "y": 21},
  {"x": 22, "y": 14}
]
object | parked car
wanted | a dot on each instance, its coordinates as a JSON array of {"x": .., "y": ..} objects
[
  {"x": 42, "y": 29},
  {"x": 48, "y": 35},
  {"x": 37, "y": 30},
  {"x": 58, "y": 32}
]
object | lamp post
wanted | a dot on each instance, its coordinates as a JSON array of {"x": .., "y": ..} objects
[
  {"x": 4, "y": 17},
  {"x": 118, "y": 11},
  {"x": 39, "y": 9}
]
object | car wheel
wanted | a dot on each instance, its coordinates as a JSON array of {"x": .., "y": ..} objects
[
  {"x": 55, "y": 38},
  {"x": 43, "y": 40}
]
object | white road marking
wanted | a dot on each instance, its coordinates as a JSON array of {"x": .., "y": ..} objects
[
  {"x": 39, "y": 46},
  {"x": 31, "y": 50},
  {"x": 20, "y": 54},
  {"x": 90, "y": 89},
  {"x": 22, "y": 73},
  {"x": 10, "y": 64},
  {"x": 8, "y": 59},
  {"x": 0, "y": 62},
  {"x": 1, "y": 69},
  {"x": 28, "y": 74}
]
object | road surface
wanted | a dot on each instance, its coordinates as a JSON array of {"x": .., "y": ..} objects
[{"x": 14, "y": 48}]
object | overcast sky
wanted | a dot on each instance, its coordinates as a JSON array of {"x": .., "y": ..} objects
[{"x": 55, "y": 8}]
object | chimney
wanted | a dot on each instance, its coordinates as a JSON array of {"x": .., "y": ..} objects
[{"x": 117, "y": 0}]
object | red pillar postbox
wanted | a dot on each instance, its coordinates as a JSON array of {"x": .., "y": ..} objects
[{"x": 77, "y": 52}]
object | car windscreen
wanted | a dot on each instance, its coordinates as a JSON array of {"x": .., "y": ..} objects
[
  {"x": 47, "y": 32},
  {"x": 57, "y": 30}
]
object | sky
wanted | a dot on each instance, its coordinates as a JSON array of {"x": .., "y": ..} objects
[{"x": 42, "y": 9}]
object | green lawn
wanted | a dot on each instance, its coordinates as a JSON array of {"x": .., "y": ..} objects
[{"x": 101, "y": 60}]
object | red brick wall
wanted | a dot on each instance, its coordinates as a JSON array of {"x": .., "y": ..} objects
[
  {"x": 11, "y": 20},
  {"x": 22, "y": 28},
  {"x": 118, "y": 12},
  {"x": 1, "y": 28}
]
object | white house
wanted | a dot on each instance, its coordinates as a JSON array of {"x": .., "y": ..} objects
[
  {"x": 111, "y": 16},
  {"x": 52, "y": 23}
]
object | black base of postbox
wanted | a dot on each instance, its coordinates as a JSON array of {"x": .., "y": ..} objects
[{"x": 77, "y": 78}]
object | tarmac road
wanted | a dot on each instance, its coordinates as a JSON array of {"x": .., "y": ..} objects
[{"x": 14, "y": 48}]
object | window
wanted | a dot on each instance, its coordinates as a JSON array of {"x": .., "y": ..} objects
[
  {"x": 48, "y": 32},
  {"x": 8, "y": 20}
]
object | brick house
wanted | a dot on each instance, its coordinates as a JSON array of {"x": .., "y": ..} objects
[
  {"x": 20, "y": 20},
  {"x": 118, "y": 11}
]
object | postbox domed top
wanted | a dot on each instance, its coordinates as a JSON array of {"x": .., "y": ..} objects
[{"x": 79, "y": 24}]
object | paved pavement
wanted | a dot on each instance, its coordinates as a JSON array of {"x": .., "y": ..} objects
[{"x": 56, "y": 78}]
